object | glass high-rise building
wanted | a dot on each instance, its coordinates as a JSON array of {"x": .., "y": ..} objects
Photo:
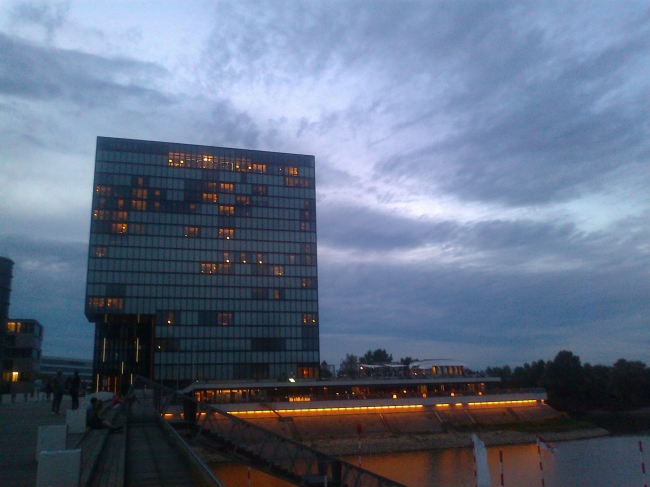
[{"x": 202, "y": 264}]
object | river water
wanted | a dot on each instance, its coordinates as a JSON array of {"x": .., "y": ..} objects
[{"x": 598, "y": 462}]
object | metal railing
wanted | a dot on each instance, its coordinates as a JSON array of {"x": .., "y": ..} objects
[{"x": 248, "y": 443}]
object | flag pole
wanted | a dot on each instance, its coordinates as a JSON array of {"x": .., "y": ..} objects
[
  {"x": 475, "y": 464},
  {"x": 645, "y": 481},
  {"x": 501, "y": 462},
  {"x": 249, "y": 477},
  {"x": 539, "y": 456}
]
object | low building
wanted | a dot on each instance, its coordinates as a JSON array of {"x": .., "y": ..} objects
[
  {"x": 51, "y": 365},
  {"x": 22, "y": 354},
  {"x": 437, "y": 367}
]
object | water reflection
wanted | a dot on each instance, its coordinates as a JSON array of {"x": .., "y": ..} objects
[{"x": 599, "y": 462}]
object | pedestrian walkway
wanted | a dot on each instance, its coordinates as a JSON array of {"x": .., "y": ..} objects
[{"x": 19, "y": 424}]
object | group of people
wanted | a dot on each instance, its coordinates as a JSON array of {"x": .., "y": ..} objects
[
  {"x": 94, "y": 419},
  {"x": 58, "y": 386}
]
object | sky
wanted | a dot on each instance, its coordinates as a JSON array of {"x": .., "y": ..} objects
[{"x": 482, "y": 168}]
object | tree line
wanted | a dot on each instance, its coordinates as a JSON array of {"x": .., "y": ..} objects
[{"x": 574, "y": 387}]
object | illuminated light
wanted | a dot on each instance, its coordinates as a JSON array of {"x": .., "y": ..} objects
[{"x": 394, "y": 396}]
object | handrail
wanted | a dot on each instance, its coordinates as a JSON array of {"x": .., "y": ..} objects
[{"x": 251, "y": 444}]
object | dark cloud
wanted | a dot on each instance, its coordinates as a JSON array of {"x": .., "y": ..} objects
[{"x": 49, "y": 285}]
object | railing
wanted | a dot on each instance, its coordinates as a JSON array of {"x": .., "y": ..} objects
[{"x": 250, "y": 444}]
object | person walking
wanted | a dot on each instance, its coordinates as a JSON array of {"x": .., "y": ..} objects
[
  {"x": 58, "y": 388},
  {"x": 75, "y": 384}
]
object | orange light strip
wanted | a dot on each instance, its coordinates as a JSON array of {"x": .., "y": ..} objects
[
  {"x": 522, "y": 401},
  {"x": 311, "y": 410}
]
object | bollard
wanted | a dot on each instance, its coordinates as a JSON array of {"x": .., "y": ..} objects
[
  {"x": 59, "y": 468},
  {"x": 51, "y": 438}
]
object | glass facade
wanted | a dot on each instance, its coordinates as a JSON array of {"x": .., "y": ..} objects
[
  {"x": 6, "y": 273},
  {"x": 202, "y": 264}
]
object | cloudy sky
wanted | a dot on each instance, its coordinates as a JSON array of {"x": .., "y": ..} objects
[{"x": 483, "y": 168}]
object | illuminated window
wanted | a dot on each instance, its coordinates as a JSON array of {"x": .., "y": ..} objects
[
  {"x": 243, "y": 200},
  {"x": 226, "y": 187},
  {"x": 261, "y": 168},
  {"x": 208, "y": 268},
  {"x": 97, "y": 251},
  {"x": 115, "y": 303},
  {"x": 259, "y": 190},
  {"x": 206, "y": 162},
  {"x": 157, "y": 193},
  {"x": 309, "y": 319},
  {"x": 121, "y": 216},
  {"x": 139, "y": 193},
  {"x": 278, "y": 294},
  {"x": 191, "y": 232},
  {"x": 243, "y": 258},
  {"x": 259, "y": 257},
  {"x": 226, "y": 210},
  {"x": 156, "y": 205},
  {"x": 224, "y": 319},
  {"x": 225, "y": 256},
  {"x": 169, "y": 319},
  {"x": 120, "y": 204},
  {"x": 101, "y": 215},
  {"x": 226, "y": 233},
  {"x": 14, "y": 376},
  {"x": 138, "y": 205},
  {"x": 307, "y": 260},
  {"x": 176, "y": 159},
  {"x": 292, "y": 259},
  {"x": 278, "y": 270},
  {"x": 103, "y": 190},
  {"x": 291, "y": 170},
  {"x": 305, "y": 226},
  {"x": 119, "y": 228},
  {"x": 307, "y": 282},
  {"x": 211, "y": 186},
  {"x": 210, "y": 197},
  {"x": 95, "y": 303},
  {"x": 13, "y": 326},
  {"x": 139, "y": 181}
]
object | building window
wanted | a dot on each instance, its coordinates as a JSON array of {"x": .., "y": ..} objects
[
  {"x": 291, "y": 170},
  {"x": 259, "y": 293},
  {"x": 224, "y": 319},
  {"x": 208, "y": 268},
  {"x": 210, "y": 197},
  {"x": 176, "y": 159},
  {"x": 226, "y": 233},
  {"x": 308, "y": 282},
  {"x": 13, "y": 326},
  {"x": 278, "y": 294},
  {"x": 305, "y": 225},
  {"x": 225, "y": 256},
  {"x": 259, "y": 189},
  {"x": 292, "y": 259},
  {"x": 191, "y": 232},
  {"x": 95, "y": 303},
  {"x": 243, "y": 200},
  {"x": 119, "y": 228},
  {"x": 278, "y": 270},
  {"x": 307, "y": 260},
  {"x": 121, "y": 216},
  {"x": 226, "y": 187},
  {"x": 226, "y": 210},
  {"x": 103, "y": 190},
  {"x": 138, "y": 205},
  {"x": 115, "y": 303},
  {"x": 101, "y": 215},
  {"x": 309, "y": 319},
  {"x": 243, "y": 258},
  {"x": 139, "y": 193},
  {"x": 259, "y": 258},
  {"x": 261, "y": 168}
]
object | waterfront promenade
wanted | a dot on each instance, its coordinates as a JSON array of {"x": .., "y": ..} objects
[{"x": 19, "y": 424}]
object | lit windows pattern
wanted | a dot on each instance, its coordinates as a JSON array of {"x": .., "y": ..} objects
[{"x": 202, "y": 263}]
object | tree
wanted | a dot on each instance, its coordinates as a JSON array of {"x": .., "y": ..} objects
[
  {"x": 325, "y": 371},
  {"x": 564, "y": 382},
  {"x": 504, "y": 372},
  {"x": 379, "y": 356},
  {"x": 407, "y": 361},
  {"x": 349, "y": 365}
]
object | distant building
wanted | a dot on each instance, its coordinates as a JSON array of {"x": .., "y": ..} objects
[
  {"x": 22, "y": 354},
  {"x": 51, "y": 365},
  {"x": 437, "y": 367},
  {"x": 202, "y": 264},
  {"x": 6, "y": 273}
]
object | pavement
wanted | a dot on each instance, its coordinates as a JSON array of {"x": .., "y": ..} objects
[{"x": 19, "y": 424}]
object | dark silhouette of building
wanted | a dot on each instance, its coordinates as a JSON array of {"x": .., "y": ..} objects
[
  {"x": 22, "y": 354},
  {"x": 202, "y": 264},
  {"x": 6, "y": 273}
]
